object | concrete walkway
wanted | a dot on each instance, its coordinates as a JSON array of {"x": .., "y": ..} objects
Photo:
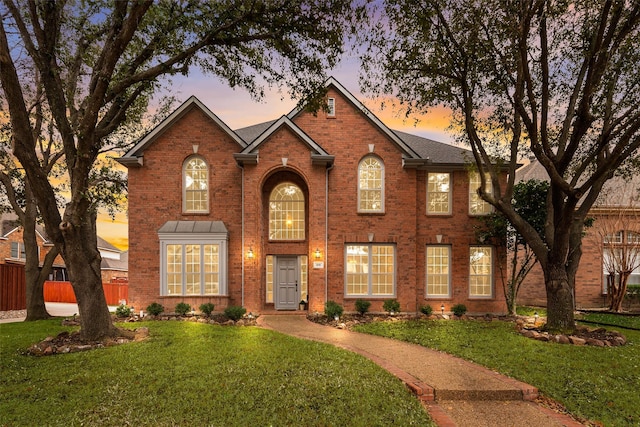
[{"x": 454, "y": 391}]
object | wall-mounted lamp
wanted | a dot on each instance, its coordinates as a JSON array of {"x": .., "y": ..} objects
[
  {"x": 250, "y": 253},
  {"x": 317, "y": 253},
  {"x": 442, "y": 308}
]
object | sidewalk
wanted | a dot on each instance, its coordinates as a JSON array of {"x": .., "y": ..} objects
[{"x": 454, "y": 391}]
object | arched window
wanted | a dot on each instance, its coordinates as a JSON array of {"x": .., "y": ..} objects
[
  {"x": 286, "y": 213},
  {"x": 371, "y": 185},
  {"x": 195, "y": 196}
]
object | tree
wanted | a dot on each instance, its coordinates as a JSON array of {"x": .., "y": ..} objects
[
  {"x": 529, "y": 201},
  {"x": 616, "y": 234},
  {"x": 100, "y": 63},
  {"x": 556, "y": 79}
]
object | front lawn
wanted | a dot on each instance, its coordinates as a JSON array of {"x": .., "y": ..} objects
[
  {"x": 197, "y": 374},
  {"x": 600, "y": 384}
]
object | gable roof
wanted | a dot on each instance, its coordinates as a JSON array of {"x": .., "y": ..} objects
[
  {"x": 134, "y": 157},
  {"x": 332, "y": 82},
  {"x": 250, "y": 154},
  {"x": 9, "y": 223}
]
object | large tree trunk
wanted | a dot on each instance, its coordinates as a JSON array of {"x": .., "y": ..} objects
[
  {"x": 36, "y": 309},
  {"x": 83, "y": 262},
  {"x": 560, "y": 305}
]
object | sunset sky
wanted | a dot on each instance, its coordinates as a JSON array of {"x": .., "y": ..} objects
[{"x": 237, "y": 110}]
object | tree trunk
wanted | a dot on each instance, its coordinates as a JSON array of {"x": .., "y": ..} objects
[
  {"x": 559, "y": 300},
  {"x": 83, "y": 262},
  {"x": 618, "y": 292},
  {"x": 36, "y": 309}
]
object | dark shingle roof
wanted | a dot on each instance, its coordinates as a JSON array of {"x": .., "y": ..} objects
[
  {"x": 250, "y": 133},
  {"x": 437, "y": 152}
]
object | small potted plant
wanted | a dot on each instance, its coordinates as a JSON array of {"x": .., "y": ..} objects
[{"x": 303, "y": 305}]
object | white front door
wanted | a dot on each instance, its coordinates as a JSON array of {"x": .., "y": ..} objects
[{"x": 287, "y": 289}]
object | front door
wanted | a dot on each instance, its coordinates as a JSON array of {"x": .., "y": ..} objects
[{"x": 287, "y": 292}]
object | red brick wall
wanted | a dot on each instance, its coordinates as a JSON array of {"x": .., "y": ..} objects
[
  {"x": 16, "y": 236},
  {"x": 155, "y": 196}
]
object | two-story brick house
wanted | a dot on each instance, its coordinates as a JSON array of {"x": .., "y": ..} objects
[{"x": 315, "y": 207}]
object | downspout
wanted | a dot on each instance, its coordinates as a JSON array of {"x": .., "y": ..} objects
[
  {"x": 242, "y": 237},
  {"x": 326, "y": 233}
]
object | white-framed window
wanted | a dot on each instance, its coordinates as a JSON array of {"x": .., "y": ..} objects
[
  {"x": 195, "y": 184},
  {"x": 481, "y": 272},
  {"x": 331, "y": 107},
  {"x": 286, "y": 212},
  {"x": 192, "y": 263},
  {"x": 614, "y": 238},
  {"x": 17, "y": 251},
  {"x": 633, "y": 237},
  {"x": 438, "y": 271},
  {"x": 370, "y": 270},
  {"x": 477, "y": 206},
  {"x": 371, "y": 185},
  {"x": 438, "y": 193}
]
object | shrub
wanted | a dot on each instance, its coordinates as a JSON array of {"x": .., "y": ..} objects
[
  {"x": 332, "y": 309},
  {"x": 459, "y": 309},
  {"x": 182, "y": 308},
  {"x": 123, "y": 311},
  {"x": 155, "y": 308},
  {"x": 426, "y": 309},
  {"x": 207, "y": 308},
  {"x": 362, "y": 306},
  {"x": 235, "y": 312},
  {"x": 391, "y": 305}
]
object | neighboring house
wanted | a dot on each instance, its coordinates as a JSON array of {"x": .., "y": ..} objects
[
  {"x": 619, "y": 200},
  {"x": 312, "y": 207},
  {"x": 114, "y": 261},
  {"x": 12, "y": 246}
]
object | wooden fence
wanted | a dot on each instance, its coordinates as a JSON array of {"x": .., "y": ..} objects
[
  {"x": 13, "y": 287},
  {"x": 114, "y": 292}
]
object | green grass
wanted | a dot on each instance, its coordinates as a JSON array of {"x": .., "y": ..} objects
[
  {"x": 600, "y": 384},
  {"x": 197, "y": 374},
  {"x": 613, "y": 319},
  {"x": 530, "y": 311}
]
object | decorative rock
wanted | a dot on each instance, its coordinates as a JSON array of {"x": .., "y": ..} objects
[
  {"x": 577, "y": 341},
  {"x": 563, "y": 339},
  {"x": 619, "y": 340},
  {"x": 240, "y": 322},
  {"x": 595, "y": 342}
]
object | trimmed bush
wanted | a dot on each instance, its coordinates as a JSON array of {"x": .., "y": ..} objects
[
  {"x": 182, "y": 308},
  {"x": 235, "y": 312},
  {"x": 391, "y": 305},
  {"x": 362, "y": 306},
  {"x": 123, "y": 311},
  {"x": 207, "y": 308},
  {"x": 459, "y": 309},
  {"x": 426, "y": 309},
  {"x": 332, "y": 309},
  {"x": 155, "y": 308}
]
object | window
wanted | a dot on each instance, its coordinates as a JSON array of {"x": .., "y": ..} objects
[
  {"x": 477, "y": 206},
  {"x": 370, "y": 185},
  {"x": 480, "y": 271},
  {"x": 196, "y": 185},
  {"x": 438, "y": 271},
  {"x": 621, "y": 252},
  {"x": 286, "y": 213},
  {"x": 331, "y": 107},
  {"x": 17, "y": 250},
  {"x": 193, "y": 258},
  {"x": 614, "y": 237},
  {"x": 193, "y": 269},
  {"x": 370, "y": 270},
  {"x": 438, "y": 194}
]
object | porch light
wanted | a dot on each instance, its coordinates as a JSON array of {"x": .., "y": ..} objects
[
  {"x": 442, "y": 308},
  {"x": 250, "y": 253},
  {"x": 317, "y": 253}
]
